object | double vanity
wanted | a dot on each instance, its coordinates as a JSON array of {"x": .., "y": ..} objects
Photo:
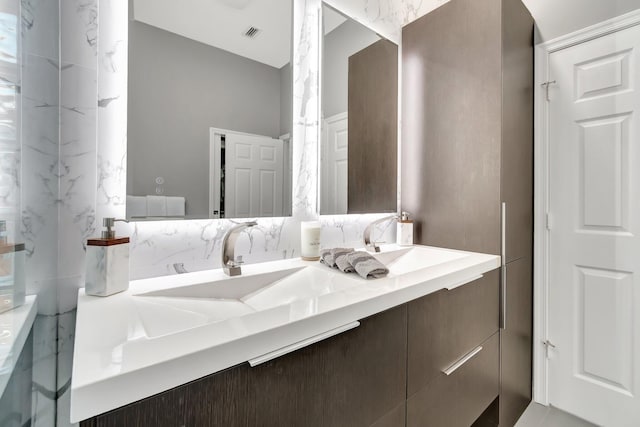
[
  {"x": 293, "y": 342},
  {"x": 290, "y": 343}
]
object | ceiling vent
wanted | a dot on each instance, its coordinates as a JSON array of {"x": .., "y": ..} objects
[{"x": 252, "y": 32}]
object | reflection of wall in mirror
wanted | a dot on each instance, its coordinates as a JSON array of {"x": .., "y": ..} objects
[
  {"x": 339, "y": 44},
  {"x": 178, "y": 90},
  {"x": 373, "y": 129}
]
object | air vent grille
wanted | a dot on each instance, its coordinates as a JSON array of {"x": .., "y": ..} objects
[{"x": 252, "y": 32}]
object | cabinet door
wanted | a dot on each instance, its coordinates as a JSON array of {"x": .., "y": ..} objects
[
  {"x": 458, "y": 399},
  {"x": 448, "y": 324},
  {"x": 451, "y": 132},
  {"x": 516, "y": 342},
  {"x": 216, "y": 400},
  {"x": 353, "y": 379},
  {"x": 516, "y": 180}
]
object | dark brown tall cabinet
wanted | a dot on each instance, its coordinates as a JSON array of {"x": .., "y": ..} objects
[{"x": 468, "y": 150}]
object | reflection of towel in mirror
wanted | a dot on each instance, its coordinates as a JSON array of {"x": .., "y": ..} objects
[
  {"x": 340, "y": 258},
  {"x": 366, "y": 265},
  {"x": 175, "y": 206},
  {"x": 328, "y": 257},
  {"x": 156, "y": 206}
]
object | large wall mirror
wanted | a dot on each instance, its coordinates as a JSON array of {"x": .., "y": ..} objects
[
  {"x": 359, "y": 144},
  {"x": 209, "y": 109}
]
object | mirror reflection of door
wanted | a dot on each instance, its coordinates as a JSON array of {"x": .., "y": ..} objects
[
  {"x": 334, "y": 164},
  {"x": 248, "y": 174}
]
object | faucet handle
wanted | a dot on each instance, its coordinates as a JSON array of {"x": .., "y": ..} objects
[
  {"x": 235, "y": 262},
  {"x": 373, "y": 246}
]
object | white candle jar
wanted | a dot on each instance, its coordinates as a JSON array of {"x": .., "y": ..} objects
[{"x": 310, "y": 240}]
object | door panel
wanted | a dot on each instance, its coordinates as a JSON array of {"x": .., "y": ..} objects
[
  {"x": 334, "y": 164},
  {"x": 254, "y": 176},
  {"x": 594, "y": 289}
]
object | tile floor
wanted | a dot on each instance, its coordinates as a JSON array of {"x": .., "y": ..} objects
[{"x": 538, "y": 415}]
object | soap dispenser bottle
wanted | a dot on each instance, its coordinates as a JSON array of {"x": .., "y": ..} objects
[
  {"x": 404, "y": 230},
  {"x": 107, "y": 262}
]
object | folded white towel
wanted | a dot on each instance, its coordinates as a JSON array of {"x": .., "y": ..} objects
[
  {"x": 156, "y": 206},
  {"x": 175, "y": 206},
  {"x": 136, "y": 206}
]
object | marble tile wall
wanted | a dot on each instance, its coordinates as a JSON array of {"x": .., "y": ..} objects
[{"x": 39, "y": 180}]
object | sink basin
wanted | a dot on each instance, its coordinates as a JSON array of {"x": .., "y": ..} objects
[
  {"x": 175, "y": 309},
  {"x": 233, "y": 288},
  {"x": 407, "y": 260}
]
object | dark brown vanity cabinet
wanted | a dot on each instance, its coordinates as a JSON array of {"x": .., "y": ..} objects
[
  {"x": 453, "y": 354},
  {"x": 357, "y": 378},
  {"x": 388, "y": 372},
  {"x": 468, "y": 151}
]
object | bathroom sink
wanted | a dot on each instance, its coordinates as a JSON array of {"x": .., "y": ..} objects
[
  {"x": 233, "y": 288},
  {"x": 410, "y": 259},
  {"x": 178, "y": 308}
]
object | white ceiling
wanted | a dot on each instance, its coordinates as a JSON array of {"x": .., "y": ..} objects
[{"x": 222, "y": 24}]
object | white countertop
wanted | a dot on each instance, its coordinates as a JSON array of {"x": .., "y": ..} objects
[
  {"x": 128, "y": 347},
  {"x": 15, "y": 326}
]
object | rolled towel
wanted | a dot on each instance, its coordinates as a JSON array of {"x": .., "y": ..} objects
[
  {"x": 136, "y": 206},
  {"x": 341, "y": 260},
  {"x": 327, "y": 256},
  {"x": 156, "y": 206},
  {"x": 366, "y": 265}
]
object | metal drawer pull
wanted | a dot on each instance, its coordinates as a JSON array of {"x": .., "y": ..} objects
[
  {"x": 503, "y": 297},
  {"x": 451, "y": 369},
  {"x": 503, "y": 232},
  {"x": 301, "y": 344}
]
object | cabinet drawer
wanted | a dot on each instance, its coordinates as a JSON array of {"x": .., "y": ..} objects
[
  {"x": 447, "y": 324},
  {"x": 460, "y": 398}
]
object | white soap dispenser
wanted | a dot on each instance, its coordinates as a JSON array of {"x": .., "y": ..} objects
[
  {"x": 404, "y": 230},
  {"x": 107, "y": 262}
]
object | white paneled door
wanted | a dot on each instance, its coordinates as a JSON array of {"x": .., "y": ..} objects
[
  {"x": 594, "y": 237},
  {"x": 253, "y": 176},
  {"x": 334, "y": 162}
]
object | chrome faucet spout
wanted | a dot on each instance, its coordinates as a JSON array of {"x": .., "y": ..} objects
[
  {"x": 368, "y": 244},
  {"x": 230, "y": 265}
]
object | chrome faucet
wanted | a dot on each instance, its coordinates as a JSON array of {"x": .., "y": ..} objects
[
  {"x": 372, "y": 246},
  {"x": 230, "y": 265}
]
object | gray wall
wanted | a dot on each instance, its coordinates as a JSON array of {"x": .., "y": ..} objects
[
  {"x": 339, "y": 45},
  {"x": 178, "y": 89}
]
